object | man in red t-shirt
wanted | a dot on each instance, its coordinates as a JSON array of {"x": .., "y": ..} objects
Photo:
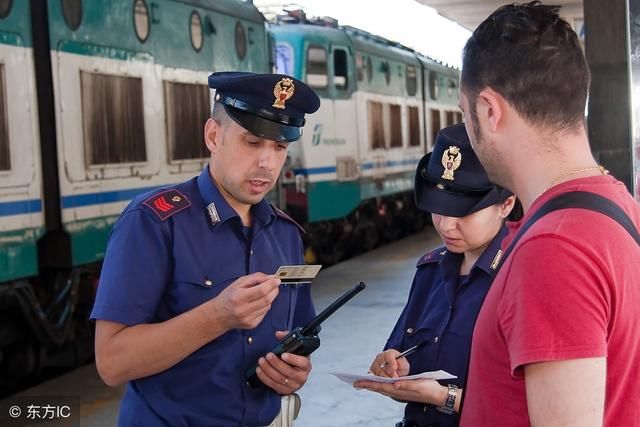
[{"x": 557, "y": 341}]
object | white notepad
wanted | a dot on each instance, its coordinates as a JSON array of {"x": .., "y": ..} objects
[{"x": 433, "y": 375}]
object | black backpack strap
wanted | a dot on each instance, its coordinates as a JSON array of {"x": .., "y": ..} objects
[{"x": 576, "y": 199}]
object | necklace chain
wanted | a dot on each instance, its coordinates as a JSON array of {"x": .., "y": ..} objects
[{"x": 603, "y": 171}]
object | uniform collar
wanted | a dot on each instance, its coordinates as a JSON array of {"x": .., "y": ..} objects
[
  {"x": 218, "y": 210},
  {"x": 490, "y": 258},
  {"x": 487, "y": 262}
]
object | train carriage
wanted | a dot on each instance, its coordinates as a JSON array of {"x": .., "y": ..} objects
[
  {"x": 349, "y": 179},
  {"x": 20, "y": 204}
]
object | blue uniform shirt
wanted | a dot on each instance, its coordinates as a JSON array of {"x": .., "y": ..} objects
[
  {"x": 169, "y": 252},
  {"x": 441, "y": 312}
]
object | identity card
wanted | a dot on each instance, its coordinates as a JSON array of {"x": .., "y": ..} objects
[{"x": 297, "y": 274}]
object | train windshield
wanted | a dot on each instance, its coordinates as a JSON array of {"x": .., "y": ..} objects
[{"x": 284, "y": 59}]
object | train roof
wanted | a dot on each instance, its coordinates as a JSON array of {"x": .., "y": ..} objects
[
  {"x": 343, "y": 34},
  {"x": 372, "y": 39},
  {"x": 377, "y": 45},
  {"x": 238, "y": 8},
  {"x": 363, "y": 41}
]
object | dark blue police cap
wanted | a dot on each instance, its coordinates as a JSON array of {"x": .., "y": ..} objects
[
  {"x": 450, "y": 180},
  {"x": 268, "y": 105}
]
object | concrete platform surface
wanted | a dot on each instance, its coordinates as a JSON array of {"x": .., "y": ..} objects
[{"x": 350, "y": 339}]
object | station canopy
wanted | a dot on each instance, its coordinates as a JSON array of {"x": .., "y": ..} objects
[{"x": 469, "y": 13}]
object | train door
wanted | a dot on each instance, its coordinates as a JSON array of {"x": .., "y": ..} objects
[
  {"x": 21, "y": 220},
  {"x": 344, "y": 118}
]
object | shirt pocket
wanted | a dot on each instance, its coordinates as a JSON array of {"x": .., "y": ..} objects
[
  {"x": 189, "y": 292},
  {"x": 422, "y": 359},
  {"x": 281, "y": 309},
  {"x": 417, "y": 336}
]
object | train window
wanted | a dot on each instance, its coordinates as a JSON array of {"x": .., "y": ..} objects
[
  {"x": 317, "y": 67},
  {"x": 113, "y": 119},
  {"x": 360, "y": 67},
  {"x": 195, "y": 31},
  {"x": 72, "y": 13},
  {"x": 187, "y": 107},
  {"x": 241, "y": 41},
  {"x": 412, "y": 80},
  {"x": 395, "y": 120},
  {"x": 369, "y": 69},
  {"x": 340, "y": 69},
  {"x": 450, "y": 118},
  {"x": 435, "y": 124},
  {"x": 284, "y": 58},
  {"x": 450, "y": 88},
  {"x": 414, "y": 127},
  {"x": 5, "y": 159},
  {"x": 434, "y": 86},
  {"x": 376, "y": 125},
  {"x": 386, "y": 69},
  {"x": 141, "y": 20},
  {"x": 5, "y": 8}
]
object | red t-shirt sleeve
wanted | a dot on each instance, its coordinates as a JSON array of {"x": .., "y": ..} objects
[{"x": 555, "y": 304}]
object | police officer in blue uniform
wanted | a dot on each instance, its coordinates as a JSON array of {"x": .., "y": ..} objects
[
  {"x": 187, "y": 297},
  {"x": 450, "y": 283}
]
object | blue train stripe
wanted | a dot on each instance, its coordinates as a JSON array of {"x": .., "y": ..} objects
[
  {"x": 80, "y": 200},
  {"x": 363, "y": 166},
  {"x": 20, "y": 207},
  {"x": 315, "y": 171}
]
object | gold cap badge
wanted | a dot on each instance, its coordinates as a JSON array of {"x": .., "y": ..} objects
[
  {"x": 283, "y": 90},
  {"x": 451, "y": 159}
]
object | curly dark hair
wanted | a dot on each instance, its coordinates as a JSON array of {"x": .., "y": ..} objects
[{"x": 533, "y": 58}]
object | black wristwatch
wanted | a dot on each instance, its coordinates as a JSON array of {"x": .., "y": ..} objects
[{"x": 450, "y": 403}]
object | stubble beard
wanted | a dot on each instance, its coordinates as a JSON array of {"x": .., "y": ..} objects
[{"x": 491, "y": 159}]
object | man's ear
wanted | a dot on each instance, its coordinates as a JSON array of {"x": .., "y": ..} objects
[
  {"x": 490, "y": 107},
  {"x": 212, "y": 134}
]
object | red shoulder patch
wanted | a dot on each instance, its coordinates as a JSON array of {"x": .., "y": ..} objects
[
  {"x": 283, "y": 215},
  {"x": 167, "y": 203}
]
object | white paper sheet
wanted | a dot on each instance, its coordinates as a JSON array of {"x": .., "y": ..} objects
[{"x": 351, "y": 378}]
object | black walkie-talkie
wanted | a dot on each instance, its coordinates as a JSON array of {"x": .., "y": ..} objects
[{"x": 304, "y": 340}]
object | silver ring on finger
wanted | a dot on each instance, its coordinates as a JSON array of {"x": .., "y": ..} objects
[{"x": 285, "y": 381}]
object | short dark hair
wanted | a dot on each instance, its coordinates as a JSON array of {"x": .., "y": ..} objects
[
  {"x": 531, "y": 57},
  {"x": 218, "y": 113}
]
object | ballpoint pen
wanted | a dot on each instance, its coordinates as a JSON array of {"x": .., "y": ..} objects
[{"x": 405, "y": 353}]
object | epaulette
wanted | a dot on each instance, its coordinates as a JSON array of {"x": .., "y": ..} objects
[
  {"x": 167, "y": 203},
  {"x": 433, "y": 256},
  {"x": 283, "y": 215}
]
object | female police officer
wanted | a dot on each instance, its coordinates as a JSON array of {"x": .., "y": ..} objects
[
  {"x": 450, "y": 284},
  {"x": 185, "y": 302}
]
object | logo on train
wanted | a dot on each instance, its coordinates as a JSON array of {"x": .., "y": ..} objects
[{"x": 317, "y": 134}]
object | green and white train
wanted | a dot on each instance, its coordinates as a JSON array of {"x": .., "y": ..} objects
[
  {"x": 350, "y": 178},
  {"x": 103, "y": 100}
]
